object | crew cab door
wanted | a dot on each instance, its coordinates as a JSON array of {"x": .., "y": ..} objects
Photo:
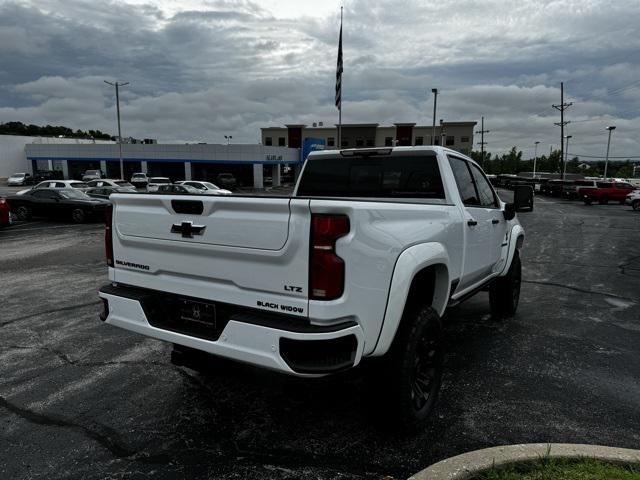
[{"x": 485, "y": 227}]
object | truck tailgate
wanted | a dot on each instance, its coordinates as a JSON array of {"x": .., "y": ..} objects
[{"x": 250, "y": 251}]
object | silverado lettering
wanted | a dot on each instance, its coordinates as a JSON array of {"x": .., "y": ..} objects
[{"x": 132, "y": 265}]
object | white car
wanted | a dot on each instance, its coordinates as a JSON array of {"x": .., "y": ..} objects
[
  {"x": 19, "y": 179},
  {"x": 633, "y": 199},
  {"x": 362, "y": 261},
  {"x": 205, "y": 188},
  {"x": 106, "y": 182},
  {"x": 56, "y": 184},
  {"x": 155, "y": 182},
  {"x": 91, "y": 175}
]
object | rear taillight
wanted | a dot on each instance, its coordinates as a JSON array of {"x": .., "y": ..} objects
[
  {"x": 326, "y": 269},
  {"x": 108, "y": 234}
]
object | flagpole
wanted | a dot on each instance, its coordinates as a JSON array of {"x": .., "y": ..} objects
[{"x": 340, "y": 105}]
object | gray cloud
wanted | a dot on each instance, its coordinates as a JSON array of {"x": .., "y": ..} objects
[{"x": 232, "y": 67}]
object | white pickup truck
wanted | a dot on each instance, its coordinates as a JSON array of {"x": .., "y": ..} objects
[{"x": 361, "y": 261}]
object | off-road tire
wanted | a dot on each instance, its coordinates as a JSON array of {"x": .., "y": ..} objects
[
  {"x": 23, "y": 213},
  {"x": 504, "y": 292},
  {"x": 412, "y": 370},
  {"x": 78, "y": 215}
]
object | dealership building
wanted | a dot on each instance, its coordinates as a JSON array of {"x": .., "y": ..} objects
[
  {"x": 455, "y": 135},
  {"x": 275, "y": 159}
]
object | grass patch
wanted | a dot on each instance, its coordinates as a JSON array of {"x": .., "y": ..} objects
[{"x": 549, "y": 468}]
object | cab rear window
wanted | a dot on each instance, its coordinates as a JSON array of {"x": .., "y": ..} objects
[{"x": 375, "y": 177}]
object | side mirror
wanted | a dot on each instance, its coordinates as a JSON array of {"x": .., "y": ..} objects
[
  {"x": 523, "y": 198},
  {"x": 509, "y": 211}
]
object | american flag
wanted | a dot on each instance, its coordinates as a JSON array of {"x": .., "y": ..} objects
[{"x": 339, "y": 72}]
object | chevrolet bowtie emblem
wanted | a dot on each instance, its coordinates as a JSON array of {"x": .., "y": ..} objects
[{"x": 187, "y": 229}]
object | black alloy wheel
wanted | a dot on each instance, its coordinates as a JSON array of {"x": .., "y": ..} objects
[{"x": 78, "y": 215}]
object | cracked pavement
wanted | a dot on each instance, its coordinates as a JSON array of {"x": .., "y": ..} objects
[{"x": 80, "y": 399}]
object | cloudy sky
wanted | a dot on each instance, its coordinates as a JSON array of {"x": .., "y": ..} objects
[{"x": 199, "y": 70}]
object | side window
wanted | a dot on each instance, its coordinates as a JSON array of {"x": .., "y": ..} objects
[
  {"x": 59, "y": 185},
  {"x": 45, "y": 194},
  {"x": 485, "y": 192},
  {"x": 464, "y": 182}
]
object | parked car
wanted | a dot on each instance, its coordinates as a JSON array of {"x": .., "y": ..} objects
[
  {"x": 20, "y": 179},
  {"x": 57, "y": 184},
  {"x": 633, "y": 199},
  {"x": 42, "y": 175},
  {"x": 227, "y": 180},
  {"x": 5, "y": 213},
  {"x": 348, "y": 267},
  {"x": 103, "y": 182},
  {"x": 139, "y": 180},
  {"x": 607, "y": 191},
  {"x": 574, "y": 191},
  {"x": 178, "y": 189},
  {"x": 155, "y": 182},
  {"x": 91, "y": 175},
  {"x": 105, "y": 191},
  {"x": 57, "y": 203},
  {"x": 554, "y": 187},
  {"x": 206, "y": 188}
]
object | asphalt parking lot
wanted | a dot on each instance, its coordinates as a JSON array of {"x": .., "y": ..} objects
[{"x": 80, "y": 399}]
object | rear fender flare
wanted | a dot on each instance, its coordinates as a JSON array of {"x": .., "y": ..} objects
[{"x": 410, "y": 262}]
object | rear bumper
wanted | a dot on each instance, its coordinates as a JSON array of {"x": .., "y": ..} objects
[{"x": 287, "y": 344}]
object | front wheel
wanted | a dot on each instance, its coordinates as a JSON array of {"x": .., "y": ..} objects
[
  {"x": 78, "y": 215},
  {"x": 23, "y": 212},
  {"x": 504, "y": 292},
  {"x": 636, "y": 205},
  {"x": 412, "y": 372},
  {"x": 587, "y": 201}
]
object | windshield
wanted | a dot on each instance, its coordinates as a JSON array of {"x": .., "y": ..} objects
[
  {"x": 139, "y": 175},
  {"x": 78, "y": 185},
  {"x": 123, "y": 183},
  {"x": 92, "y": 172},
  {"x": 17, "y": 175},
  {"x": 74, "y": 194},
  {"x": 211, "y": 186}
]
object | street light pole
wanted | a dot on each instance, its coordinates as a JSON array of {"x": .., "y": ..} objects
[
  {"x": 535, "y": 158},
  {"x": 433, "y": 128},
  {"x": 566, "y": 155},
  {"x": 228, "y": 137},
  {"x": 611, "y": 128},
  {"x": 117, "y": 85}
]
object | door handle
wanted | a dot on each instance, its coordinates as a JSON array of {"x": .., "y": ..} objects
[
  {"x": 495, "y": 220},
  {"x": 472, "y": 223}
]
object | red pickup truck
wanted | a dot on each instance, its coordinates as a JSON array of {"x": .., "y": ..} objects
[{"x": 605, "y": 191}]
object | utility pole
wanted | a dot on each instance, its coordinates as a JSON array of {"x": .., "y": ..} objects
[
  {"x": 482, "y": 143},
  {"x": 228, "y": 138},
  {"x": 562, "y": 107},
  {"x": 117, "y": 85},
  {"x": 564, "y": 170},
  {"x": 611, "y": 128},
  {"x": 433, "y": 128},
  {"x": 535, "y": 158}
]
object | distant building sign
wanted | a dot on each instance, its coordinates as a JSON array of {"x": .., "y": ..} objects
[
  {"x": 309, "y": 145},
  {"x": 273, "y": 158}
]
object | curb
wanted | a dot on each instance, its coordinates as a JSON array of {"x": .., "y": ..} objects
[{"x": 463, "y": 466}]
